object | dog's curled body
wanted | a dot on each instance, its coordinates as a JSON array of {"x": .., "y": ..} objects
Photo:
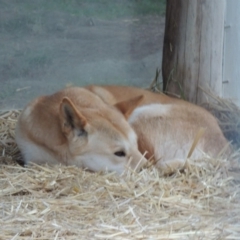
[{"x": 166, "y": 127}]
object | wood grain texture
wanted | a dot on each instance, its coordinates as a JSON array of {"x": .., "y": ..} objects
[{"x": 193, "y": 48}]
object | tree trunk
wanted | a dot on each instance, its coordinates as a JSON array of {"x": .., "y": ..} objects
[{"x": 193, "y": 48}]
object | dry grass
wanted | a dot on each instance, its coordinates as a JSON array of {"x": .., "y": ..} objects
[
  {"x": 228, "y": 115},
  {"x": 43, "y": 202},
  {"x": 8, "y": 148}
]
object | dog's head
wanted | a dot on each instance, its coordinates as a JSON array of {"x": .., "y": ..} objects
[{"x": 99, "y": 139}]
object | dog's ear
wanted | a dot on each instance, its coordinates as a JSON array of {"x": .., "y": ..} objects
[
  {"x": 127, "y": 106},
  {"x": 70, "y": 118}
]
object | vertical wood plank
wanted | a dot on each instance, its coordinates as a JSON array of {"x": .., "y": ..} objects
[{"x": 193, "y": 48}]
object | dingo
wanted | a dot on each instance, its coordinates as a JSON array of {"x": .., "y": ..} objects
[
  {"x": 166, "y": 127},
  {"x": 75, "y": 127}
]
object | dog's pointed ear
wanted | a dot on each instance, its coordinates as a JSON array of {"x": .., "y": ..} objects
[
  {"x": 71, "y": 119},
  {"x": 127, "y": 106}
]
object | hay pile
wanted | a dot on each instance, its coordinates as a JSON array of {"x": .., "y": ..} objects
[
  {"x": 9, "y": 152},
  {"x": 42, "y": 202},
  {"x": 227, "y": 114}
]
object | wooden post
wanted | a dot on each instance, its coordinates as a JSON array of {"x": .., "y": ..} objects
[{"x": 193, "y": 48}]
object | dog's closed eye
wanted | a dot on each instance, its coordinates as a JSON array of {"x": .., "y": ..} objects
[{"x": 120, "y": 153}]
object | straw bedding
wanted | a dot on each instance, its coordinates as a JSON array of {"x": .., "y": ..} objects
[
  {"x": 228, "y": 115},
  {"x": 59, "y": 202}
]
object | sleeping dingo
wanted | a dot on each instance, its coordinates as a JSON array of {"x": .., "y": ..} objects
[
  {"x": 75, "y": 127},
  {"x": 166, "y": 127}
]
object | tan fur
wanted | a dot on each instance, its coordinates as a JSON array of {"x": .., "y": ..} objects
[
  {"x": 75, "y": 127},
  {"x": 166, "y": 127}
]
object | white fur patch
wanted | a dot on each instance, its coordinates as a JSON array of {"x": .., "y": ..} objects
[
  {"x": 34, "y": 153},
  {"x": 172, "y": 154},
  {"x": 151, "y": 110},
  {"x": 27, "y": 112},
  {"x": 132, "y": 137},
  {"x": 96, "y": 162}
]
